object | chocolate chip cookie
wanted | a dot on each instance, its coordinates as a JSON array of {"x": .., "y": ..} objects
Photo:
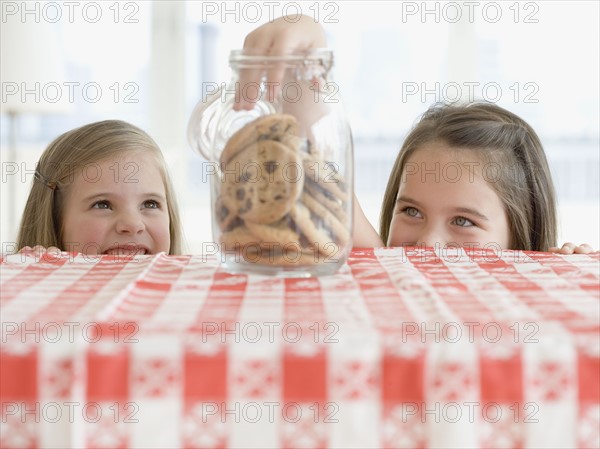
[{"x": 263, "y": 181}]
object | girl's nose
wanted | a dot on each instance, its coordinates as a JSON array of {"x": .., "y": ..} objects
[
  {"x": 130, "y": 223},
  {"x": 431, "y": 236}
]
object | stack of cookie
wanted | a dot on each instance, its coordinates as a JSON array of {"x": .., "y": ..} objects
[{"x": 278, "y": 202}]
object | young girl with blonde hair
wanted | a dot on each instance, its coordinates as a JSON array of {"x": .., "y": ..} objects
[{"x": 102, "y": 188}]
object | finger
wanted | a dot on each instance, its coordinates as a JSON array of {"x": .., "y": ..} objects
[
  {"x": 553, "y": 249},
  {"x": 567, "y": 248},
  {"x": 51, "y": 254},
  {"x": 250, "y": 76},
  {"x": 302, "y": 32},
  {"x": 290, "y": 42},
  {"x": 248, "y": 88},
  {"x": 277, "y": 70},
  {"x": 583, "y": 249},
  {"x": 53, "y": 250},
  {"x": 39, "y": 249},
  {"x": 26, "y": 249}
]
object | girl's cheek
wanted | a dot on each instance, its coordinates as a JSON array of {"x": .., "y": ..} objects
[{"x": 399, "y": 232}]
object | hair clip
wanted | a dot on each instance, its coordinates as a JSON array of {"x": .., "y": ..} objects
[{"x": 43, "y": 180}]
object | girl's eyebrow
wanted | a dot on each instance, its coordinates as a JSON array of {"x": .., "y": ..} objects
[
  {"x": 96, "y": 196},
  {"x": 461, "y": 210},
  {"x": 468, "y": 210},
  {"x": 155, "y": 195},
  {"x": 109, "y": 195},
  {"x": 406, "y": 199}
]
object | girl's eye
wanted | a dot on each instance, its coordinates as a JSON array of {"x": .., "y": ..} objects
[
  {"x": 463, "y": 222},
  {"x": 101, "y": 205},
  {"x": 151, "y": 204},
  {"x": 411, "y": 212}
]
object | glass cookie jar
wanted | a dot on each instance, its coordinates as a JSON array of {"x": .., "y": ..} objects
[{"x": 280, "y": 155}]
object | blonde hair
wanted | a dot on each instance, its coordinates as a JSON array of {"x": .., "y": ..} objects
[
  {"x": 499, "y": 137},
  {"x": 41, "y": 223}
]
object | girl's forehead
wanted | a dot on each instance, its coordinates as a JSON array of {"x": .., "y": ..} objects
[
  {"x": 126, "y": 166},
  {"x": 135, "y": 156},
  {"x": 438, "y": 151},
  {"x": 131, "y": 160},
  {"x": 438, "y": 160}
]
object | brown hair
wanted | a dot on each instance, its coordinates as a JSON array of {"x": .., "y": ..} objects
[
  {"x": 41, "y": 223},
  {"x": 503, "y": 139}
]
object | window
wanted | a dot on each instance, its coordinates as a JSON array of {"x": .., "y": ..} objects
[{"x": 392, "y": 60}]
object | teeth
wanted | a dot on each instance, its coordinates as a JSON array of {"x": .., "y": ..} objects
[{"x": 125, "y": 251}]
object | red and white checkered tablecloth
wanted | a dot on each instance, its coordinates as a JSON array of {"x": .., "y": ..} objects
[{"x": 402, "y": 348}]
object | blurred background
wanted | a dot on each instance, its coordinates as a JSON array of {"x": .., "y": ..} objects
[{"x": 65, "y": 64}]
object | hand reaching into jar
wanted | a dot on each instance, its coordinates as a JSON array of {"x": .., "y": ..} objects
[
  {"x": 294, "y": 36},
  {"x": 285, "y": 35}
]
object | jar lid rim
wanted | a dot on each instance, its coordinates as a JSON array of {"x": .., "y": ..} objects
[{"x": 294, "y": 56}]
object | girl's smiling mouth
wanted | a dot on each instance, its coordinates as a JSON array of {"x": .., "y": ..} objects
[{"x": 121, "y": 250}]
